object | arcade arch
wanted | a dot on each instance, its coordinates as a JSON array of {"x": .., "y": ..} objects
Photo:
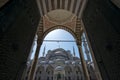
[{"x": 73, "y": 25}]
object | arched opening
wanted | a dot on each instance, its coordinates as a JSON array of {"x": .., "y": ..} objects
[
  {"x": 49, "y": 24},
  {"x": 68, "y": 73},
  {"x": 49, "y": 72},
  {"x": 39, "y": 74},
  {"x": 59, "y": 48},
  {"x": 59, "y": 38},
  {"x": 23, "y": 17},
  {"x": 78, "y": 73}
]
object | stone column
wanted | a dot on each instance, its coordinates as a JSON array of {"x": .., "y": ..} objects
[
  {"x": 34, "y": 63},
  {"x": 84, "y": 66}
]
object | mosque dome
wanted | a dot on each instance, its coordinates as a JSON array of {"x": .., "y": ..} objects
[{"x": 58, "y": 54}]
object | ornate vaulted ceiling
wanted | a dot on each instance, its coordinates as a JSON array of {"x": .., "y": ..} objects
[
  {"x": 60, "y": 13},
  {"x": 59, "y": 17},
  {"x": 73, "y": 6}
]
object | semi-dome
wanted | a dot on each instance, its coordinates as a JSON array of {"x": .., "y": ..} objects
[{"x": 59, "y": 68}]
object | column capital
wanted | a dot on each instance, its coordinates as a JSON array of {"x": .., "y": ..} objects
[
  {"x": 39, "y": 42},
  {"x": 79, "y": 43}
]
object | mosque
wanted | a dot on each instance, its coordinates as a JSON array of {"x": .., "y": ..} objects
[
  {"x": 60, "y": 64},
  {"x": 22, "y": 20}
]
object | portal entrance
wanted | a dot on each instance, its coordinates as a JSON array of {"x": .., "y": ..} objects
[
  {"x": 59, "y": 73},
  {"x": 70, "y": 23}
]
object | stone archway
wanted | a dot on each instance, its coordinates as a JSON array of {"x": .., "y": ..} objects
[
  {"x": 73, "y": 25},
  {"x": 50, "y": 22},
  {"x": 40, "y": 71},
  {"x": 68, "y": 73},
  {"x": 78, "y": 73},
  {"x": 59, "y": 73},
  {"x": 60, "y": 27},
  {"x": 49, "y": 72}
]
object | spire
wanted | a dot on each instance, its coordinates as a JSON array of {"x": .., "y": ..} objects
[
  {"x": 58, "y": 44},
  {"x": 44, "y": 50},
  {"x": 73, "y": 51}
]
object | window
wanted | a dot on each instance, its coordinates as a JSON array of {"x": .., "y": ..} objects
[
  {"x": 47, "y": 78},
  {"x": 77, "y": 77},
  {"x": 69, "y": 78},
  {"x": 39, "y": 78}
]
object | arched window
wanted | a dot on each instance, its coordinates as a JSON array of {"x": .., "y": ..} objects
[
  {"x": 26, "y": 78},
  {"x": 39, "y": 78},
  {"x": 35, "y": 78},
  {"x": 40, "y": 72},
  {"x": 52, "y": 78},
  {"x": 47, "y": 78},
  {"x": 78, "y": 78},
  {"x": 69, "y": 78}
]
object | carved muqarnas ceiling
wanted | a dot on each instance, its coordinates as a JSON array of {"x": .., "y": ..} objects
[{"x": 60, "y": 16}]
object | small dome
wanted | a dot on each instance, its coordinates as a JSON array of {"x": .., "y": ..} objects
[
  {"x": 67, "y": 62},
  {"x": 42, "y": 58},
  {"x": 51, "y": 62},
  {"x": 43, "y": 62},
  {"x": 59, "y": 68},
  {"x": 76, "y": 58},
  {"x": 76, "y": 62},
  {"x": 58, "y": 53},
  {"x": 60, "y": 60}
]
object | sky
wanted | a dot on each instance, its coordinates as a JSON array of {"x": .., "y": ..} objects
[{"x": 58, "y": 34}]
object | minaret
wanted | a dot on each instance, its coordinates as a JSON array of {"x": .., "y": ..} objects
[
  {"x": 86, "y": 49},
  {"x": 73, "y": 51},
  {"x": 44, "y": 51}
]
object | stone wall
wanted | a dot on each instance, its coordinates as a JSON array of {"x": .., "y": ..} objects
[
  {"x": 18, "y": 23},
  {"x": 102, "y": 23}
]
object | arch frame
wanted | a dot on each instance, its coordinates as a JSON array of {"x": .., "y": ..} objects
[
  {"x": 60, "y": 27},
  {"x": 75, "y": 33}
]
